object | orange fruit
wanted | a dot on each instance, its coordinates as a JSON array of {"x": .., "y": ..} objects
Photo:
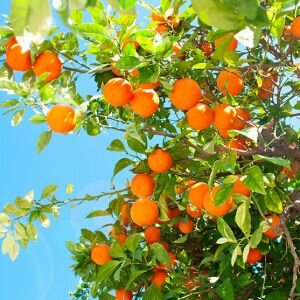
[
  {"x": 100, "y": 254},
  {"x": 47, "y": 62},
  {"x": 193, "y": 211},
  {"x": 144, "y": 102},
  {"x": 127, "y": 41},
  {"x": 254, "y": 256},
  {"x": 200, "y": 117},
  {"x": 149, "y": 85},
  {"x": 186, "y": 93},
  {"x": 176, "y": 50},
  {"x": 61, "y": 118},
  {"x": 197, "y": 193},
  {"x": 160, "y": 161},
  {"x": 135, "y": 72},
  {"x": 16, "y": 58},
  {"x": 223, "y": 133},
  {"x": 206, "y": 48},
  {"x": 173, "y": 259},
  {"x": 292, "y": 172},
  {"x": 144, "y": 212},
  {"x": 287, "y": 34},
  {"x": 237, "y": 144},
  {"x": 165, "y": 245},
  {"x": 121, "y": 237},
  {"x": 159, "y": 277},
  {"x": 117, "y": 92},
  {"x": 142, "y": 185},
  {"x": 152, "y": 234},
  {"x": 174, "y": 213},
  {"x": 211, "y": 208},
  {"x": 240, "y": 188},
  {"x": 124, "y": 215},
  {"x": 115, "y": 70},
  {"x": 191, "y": 284},
  {"x": 186, "y": 227},
  {"x": 157, "y": 17},
  {"x": 244, "y": 114},
  {"x": 174, "y": 21},
  {"x": 123, "y": 294},
  {"x": 161, "y": 28},
  {"x": 276, "y": 230},
  {"x": 296, "y": 28},
  {"x": 224, "y": 116},
  {"x": 230, "y": 81},
  {"x": 181, "y": 189},
  {"x": 233, "y": 43},
  {"x": 267, "y": 87}
]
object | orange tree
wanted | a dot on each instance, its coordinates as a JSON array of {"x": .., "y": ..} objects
[{"x": 206, "y": 93}]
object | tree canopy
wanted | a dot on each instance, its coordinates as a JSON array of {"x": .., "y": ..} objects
[{"x": 206, "y": 96}]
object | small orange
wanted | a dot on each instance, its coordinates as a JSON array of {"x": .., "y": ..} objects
[
  {"x": 173, "y": 259},
  {"x": 186, "y": 93},
  {"x": 267, "y": 87},
  {"x": 237, "y": 144},
  {"x": 115, "y": 70},
  {"x": 142, "y": 185},
  {"x": 224, "y": 116},
  {"x": 287, "y": 33},
  {"x": 161, "y": 28},
  {"x": 230, "y": 81},
  {"x": 157, "y": 17},
  {"x": 123, "y": 294},
  {"x": 144, "y": 102},
  {"x": 124, "y": 214},
  {"x": 254, "y": 256},
  {"x": 117, "y": 92},
  {"x": 240, "y": 188},
  {"x": 121, "y": 237},
  {"x": 152, "y": 234},
  {"x": 181, "y": 189},
  {"x": 174, "y": 213},
  {"x": 244, "y": 114},
  {"x": 47, "y": 62},
  {"x": 149, "y": 85},
  {"x": 144, "y": 212},
  {"x": 174, "y": 21},
  {"x": 61, "y": 118},
  {"x": 135, "y": 72},
  {"x": 100, "y": 254},
  {"x": 176, "y": 51},
  {"x": 193, "y": 211},
  {"x": 206, "y": 48},
  {"x": 127, "y": 41},
  {"x": 223, "y": 133},
  {"x": 233, "y": 43},
  {"x": 296, "y": 28},
  {"x": 159, "y": 277},
  {"x": 200, "y": 117},
  {"x": 186, "y": 227},
  {"x": 197, "y": 193},
  {"x": 160, "y": 161},
  {"x": 211, "y": 208},
  {"x": 16, "y": 58},
  {"x": 276, "y": 230}
]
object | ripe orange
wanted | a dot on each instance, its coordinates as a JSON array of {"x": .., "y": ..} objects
[
  {"x": 157, "y": 17},
  {"x": 211, "y": 208},
  {"x": 149, "y": 85},
  {"x": 181, "y": 189},
  {"x": 159, "y": 277},
  {"x": 174, "y": 213},
  {"x": 16, "y": 58},
  {"x": 121, "y": 237},
  {"x": 161, "y": 28},
  {"x": 287, "y": 33},
  {"x": 142, "y": 185},
  {"x": 144, "y": 102},
  {"x": 267, "y": 87},
  {"x": 124, "y": 214},
  {"x": 197, "y": 193},
  {"x": 254, "y": 256},
  {"x": 129, "y": 40},
  {"x": 206, "y": 48},
  {"x": 224, "y": 116},
  {"x": 176, "y": 50},
  {"x": 186, "y": 227},
  {"x": 62, "y": 118},
  {"x": 193, "y": 211},
  {"x": 200, "y": 117},
  {"x": 186, "y": 93},
  {"x": 160, "y": 161},
  {"x": 144, "y": 212},
  {"x": 237, "y": 144},
  {"x": 230, "y": 81},
  {"x": 223, "y": 133},
  {"x": 276, "y": 230},
  {"x": 292, "y": 172},
  {"x": 115, "y": 70},
  {"x": 174, "y": 21},
  {"x": 244, "y": 114},
  {"x": 100, "y": 254},
  {"x": 152, "y": 234},
  {"x": 173, "y": 259},
  {"x": 240, "y": 188},
  {"x": 165, "y": 245},
  {"x": 296, "y": 28},
  {"x": 123, "y": 294},
  {"x": 233, "y": 43},
  {"x": 47, "y": 62},
  {"x": 117, "y": 92}
]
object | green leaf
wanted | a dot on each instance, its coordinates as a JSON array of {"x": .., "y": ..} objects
[
  {"x": 20, "y": 232},
  {"x": 225, "y": 290},
  {"x": 243, "y": 217},
  {"x": 116, "y": 250},
  {"x": 251, "y": 133},
  {"x": 132, "y": 242},
  {"x": 256, "y": 238},
  {"x": 276, "y": 296},
  {"x": 246, "y": 252},
  {"x": 38, "y": 119},
  {"x": 14, "y": 251},
  {"x": 133, "y": 277},
  {"x": 122, "y": 164},
  {"x": 181, "y": 240},
  {"x": 152, "y": 293},
  {"x": 254, "y": 180},
  {"x": 127, "y": 63},
  {"x": 161, "y": 253},
  {"x": 43, "y": 140},
  {"x": 9, "y": 103},
  {"x": 116, "y": 145},
  {"x": 77, "y": 4},
  {"x": 31, "y": 18},
  {"x": 116, "y": 5},
  {"x": 31, "y": 231},
  {"x": 273, "y": 201},
  {"x": 106, "y": 270},
  {"x": 131, "y": 130},
  {"x": 274, "y": 160},
  {"x": 17, "y": 117},
  {"x": 127, "y": 4},
  {"x": 44, "y": 220},
  {"x": 237, "y": 251},
  {"x": 98, "y": 213},
  {"x": 223, "y": 194},
  {"x": 69, "y": 188},
  {"x": 48, "y": 190},
  {"x": 136, "y": 145},
  {"x": 225, "y": 230},
  {"x": 4, "y": 219}
]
